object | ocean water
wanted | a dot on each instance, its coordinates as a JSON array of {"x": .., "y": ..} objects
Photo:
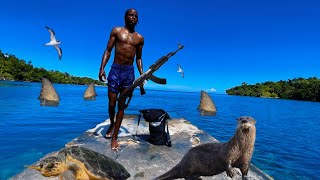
[{"x": 288, "y": 132}]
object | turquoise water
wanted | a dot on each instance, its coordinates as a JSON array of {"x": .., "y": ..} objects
[{"x": 288, "y": 134}]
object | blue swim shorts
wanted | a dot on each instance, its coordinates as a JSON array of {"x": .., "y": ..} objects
[{"x": 120, "y": 77}]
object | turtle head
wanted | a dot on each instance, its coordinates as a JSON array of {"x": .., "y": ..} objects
[{"x": 51, "y": 166}]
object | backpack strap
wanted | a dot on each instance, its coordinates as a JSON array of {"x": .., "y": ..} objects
[
  {"x": 168, "y": 141},
  {"x": 139, "y": 118}
]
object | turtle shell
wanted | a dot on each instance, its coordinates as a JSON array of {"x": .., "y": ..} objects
[{"x": 96, "y": 163}]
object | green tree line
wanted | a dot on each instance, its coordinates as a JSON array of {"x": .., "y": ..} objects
[
  {"x": 307, "y": 89},
  {"x": 12, "y": 68}
]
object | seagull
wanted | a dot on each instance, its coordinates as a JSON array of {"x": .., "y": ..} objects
[
  {"x": 180, "y": 71},
  {"x": 54, "y": 42}
]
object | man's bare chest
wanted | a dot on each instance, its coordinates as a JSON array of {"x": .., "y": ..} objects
[{"x": 129, "y": 38}]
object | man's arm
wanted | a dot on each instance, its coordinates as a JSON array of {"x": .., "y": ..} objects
[
  {"x": 139, "y": 56},
  {"x": 139, "y": 62},
  {"x": 106, "y": 55}
]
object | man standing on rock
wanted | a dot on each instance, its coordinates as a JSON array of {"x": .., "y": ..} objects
[{"x": 128, "y": 44}]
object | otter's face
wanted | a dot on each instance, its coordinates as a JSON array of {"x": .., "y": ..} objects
[
  {"x": 246, "y": 123},
  {"x": 51, "y": 166}
]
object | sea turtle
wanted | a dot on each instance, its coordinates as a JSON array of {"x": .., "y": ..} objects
[{"x": 80, "y": 163}]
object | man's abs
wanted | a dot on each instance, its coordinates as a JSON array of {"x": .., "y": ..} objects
[{"x": 124, "y": 53}]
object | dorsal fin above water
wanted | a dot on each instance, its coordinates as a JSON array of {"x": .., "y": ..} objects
[
  {"x": 48, "y": 93},
  {"x": 206, "y": 104},
  {"x": 90, "y": 93}
]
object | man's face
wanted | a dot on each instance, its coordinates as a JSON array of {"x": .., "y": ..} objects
[{"x": 132, "y": 17}]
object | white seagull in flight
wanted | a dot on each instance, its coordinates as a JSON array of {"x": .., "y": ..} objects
[
  {"x": 180, "y": 71},
  {"x": 54, "y": 42}
]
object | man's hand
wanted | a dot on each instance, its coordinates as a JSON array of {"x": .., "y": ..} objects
[{"x": 102, "y": 76}]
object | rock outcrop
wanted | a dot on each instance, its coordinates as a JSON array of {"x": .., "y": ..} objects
[{"x": 142, "y": 159}]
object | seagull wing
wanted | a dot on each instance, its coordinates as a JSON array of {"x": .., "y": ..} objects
[
  {"x": 59, "y": 51},
  {"x": 180, "y": 70},
  {"x": 52, "y": 34}
]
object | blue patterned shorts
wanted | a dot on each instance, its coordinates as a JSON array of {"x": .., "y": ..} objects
[{"x": 120, "y": 77}]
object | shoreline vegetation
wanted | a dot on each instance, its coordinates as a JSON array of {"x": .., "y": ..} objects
[
  {"x": 306, "y": 89},
  {"x": 15, "y": 69}
]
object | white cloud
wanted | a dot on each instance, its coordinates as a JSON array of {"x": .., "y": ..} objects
[{"x": 211, "y": 90}]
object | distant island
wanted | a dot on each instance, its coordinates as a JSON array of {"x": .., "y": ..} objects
[
  {"x": 14, "y": 69},
  {"x": 295, "y": 89}
]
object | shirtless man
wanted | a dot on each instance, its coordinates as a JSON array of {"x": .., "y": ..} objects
[{"x": 128, "y": 44}]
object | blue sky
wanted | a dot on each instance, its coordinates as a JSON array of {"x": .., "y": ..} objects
[{"x": 227, "y": 42}]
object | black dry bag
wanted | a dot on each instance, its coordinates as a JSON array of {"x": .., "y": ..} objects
[{"x": 157, "y": 119}]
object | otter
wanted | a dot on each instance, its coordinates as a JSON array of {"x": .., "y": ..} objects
[{"x": 214, "y": 158}]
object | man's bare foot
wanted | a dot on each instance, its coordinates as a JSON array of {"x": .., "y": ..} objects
[
  {"x": 110, "y": 131},
  {"x": 115, "y": 145}
]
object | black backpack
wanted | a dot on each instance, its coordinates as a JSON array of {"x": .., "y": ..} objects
[{"x": 157, "y": 119}]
